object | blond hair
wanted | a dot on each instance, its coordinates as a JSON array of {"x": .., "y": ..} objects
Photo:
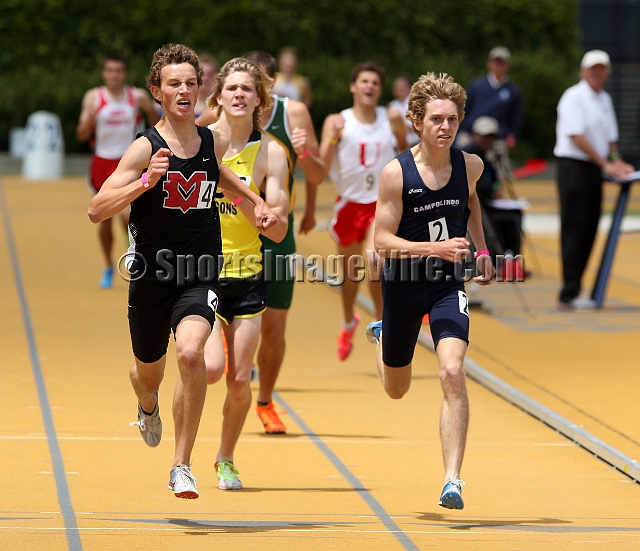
[
  {"x": 430, "y": 87},
  {"x": 261, "y": 81}
]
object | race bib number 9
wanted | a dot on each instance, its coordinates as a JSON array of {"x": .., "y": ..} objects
[{"x": 370, "y": 181}]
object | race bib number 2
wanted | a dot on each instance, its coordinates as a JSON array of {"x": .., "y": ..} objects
[{"x": 438, "y": 230}]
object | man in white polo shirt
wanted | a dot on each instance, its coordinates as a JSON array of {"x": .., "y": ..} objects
[{"x": 586, "y": 136}]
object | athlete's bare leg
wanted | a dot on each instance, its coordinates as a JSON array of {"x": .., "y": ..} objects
[
  {"x": 271, "y": 351},
  {"x": 105, "y": 236},
  {"x": 454, "y": 416},
  {"x": 375, "y": 287},
  {"x": 124, "y": 219},
  {"x": 349, "y": 288},
  {"x": 146, "y": 379},
  {"x": 396, "y": 381},
  {"x": 214, "y": 354},
  {"x": 242, "y": 341},
  {"x": 188, "y": 400}
]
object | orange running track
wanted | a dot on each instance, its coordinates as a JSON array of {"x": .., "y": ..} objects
[{"x": 356, "y": 469}]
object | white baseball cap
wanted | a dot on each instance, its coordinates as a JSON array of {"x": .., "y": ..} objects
[
  {"x": 486, "y": 126},
  {"x": 500, "y": 52},
  {"x": 595, "y": 57}
]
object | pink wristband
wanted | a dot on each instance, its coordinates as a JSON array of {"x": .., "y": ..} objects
[
  {"x": 145, "y": 182},
  {"x": 483, "y": 252},
  {"x": 236, "y": 201},
  {"x": 304, "y": 154}
]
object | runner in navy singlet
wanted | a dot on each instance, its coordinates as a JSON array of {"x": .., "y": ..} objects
[{"x": 426, "y": 203}]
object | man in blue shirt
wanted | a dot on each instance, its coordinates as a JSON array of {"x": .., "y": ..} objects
[{"x": 494, "y": 95}]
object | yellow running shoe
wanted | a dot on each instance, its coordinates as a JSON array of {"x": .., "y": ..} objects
[{"x": 227, "y": 476}]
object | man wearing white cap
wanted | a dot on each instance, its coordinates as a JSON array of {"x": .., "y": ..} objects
[
  {"x": 506, "y": 223},
  {"x": 586, "y": 136}
]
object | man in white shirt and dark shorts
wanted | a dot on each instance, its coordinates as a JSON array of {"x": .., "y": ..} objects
[{"x": 586, "y": 136}]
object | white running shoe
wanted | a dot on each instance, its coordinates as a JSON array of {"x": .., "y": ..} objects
[
  {"x": 583, "y": 303},
  {"x": 150, "y": 425},
  {"x": 183, "y": 483}
]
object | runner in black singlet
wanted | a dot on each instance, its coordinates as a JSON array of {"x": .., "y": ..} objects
[{"x": 169, "y": 175}]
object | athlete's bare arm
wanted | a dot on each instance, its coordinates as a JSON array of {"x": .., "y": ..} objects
[
  {"x": 389, "y": 209},
  {"x": 475, "y": 166},
  {"x": 148, "y": 106},
  {"x": 331, "y": 134},
  {"x": 207, "y": 117},
  {"x": 399, "y": 129},
  {"x": 87, "y": 119},
  {"x": 125, "y": 185},
  {"x": 307, "y": 96},
  {"x": 303, "y": 138},
  {"x": 272, "y": 170}
]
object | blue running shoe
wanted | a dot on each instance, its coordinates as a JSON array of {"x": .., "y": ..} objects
[
  {"x": 107, "y": 279},
  {"x": 373, "y": 331},
  {"x": 451, "y": 497}
]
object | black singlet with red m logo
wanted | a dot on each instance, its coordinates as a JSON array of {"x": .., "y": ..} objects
[
  {"x": 178, "y": 216},
  {"x": 433, "y": 215}
]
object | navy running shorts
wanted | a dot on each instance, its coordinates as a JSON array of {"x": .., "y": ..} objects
[{"x": 404, "y": 306}]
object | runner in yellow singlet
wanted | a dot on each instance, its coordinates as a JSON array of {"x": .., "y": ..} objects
[
  {"x": 289, "y": 122},
  {"x": 241, "y": 94}
]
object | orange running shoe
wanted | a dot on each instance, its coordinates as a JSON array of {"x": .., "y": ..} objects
[
  {"x": 270, "y": 420},
  {"x": 344, "y": 340}
]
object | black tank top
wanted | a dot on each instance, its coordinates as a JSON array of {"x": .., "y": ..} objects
[
  {"x": 178, "y": 216},
  {"x": 430, "y": 215}
]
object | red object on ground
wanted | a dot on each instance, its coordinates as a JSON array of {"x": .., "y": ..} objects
[{"x": 531, "y": 167}]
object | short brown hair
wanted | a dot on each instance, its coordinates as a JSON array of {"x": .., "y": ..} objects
[
  {"x": 263, "y": 60},
  {"x": 118, "y": 59},
  {"x": 262, "y": 82},
  {"x": 208, "y": 58},
  {"x": 368, "y": 66},
  {"x": 172, "y": 54},
  {"x": 430, "y": 87}
]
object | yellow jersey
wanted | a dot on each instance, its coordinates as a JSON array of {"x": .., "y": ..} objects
[{"x": 241, "y": 245}]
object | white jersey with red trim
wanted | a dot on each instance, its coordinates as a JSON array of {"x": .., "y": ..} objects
[
  {"x": 116, "y": 122},
  {"x": 362, "y": 153}
]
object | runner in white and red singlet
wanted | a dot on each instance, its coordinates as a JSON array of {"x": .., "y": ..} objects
[
  {"x": 110, "y": 118},
  {"x": 356, "y": 145}
]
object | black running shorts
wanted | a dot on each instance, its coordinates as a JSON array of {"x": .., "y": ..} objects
[
  {"x": 156, "y": 309},
  {"x": 242, "y": 297}
]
